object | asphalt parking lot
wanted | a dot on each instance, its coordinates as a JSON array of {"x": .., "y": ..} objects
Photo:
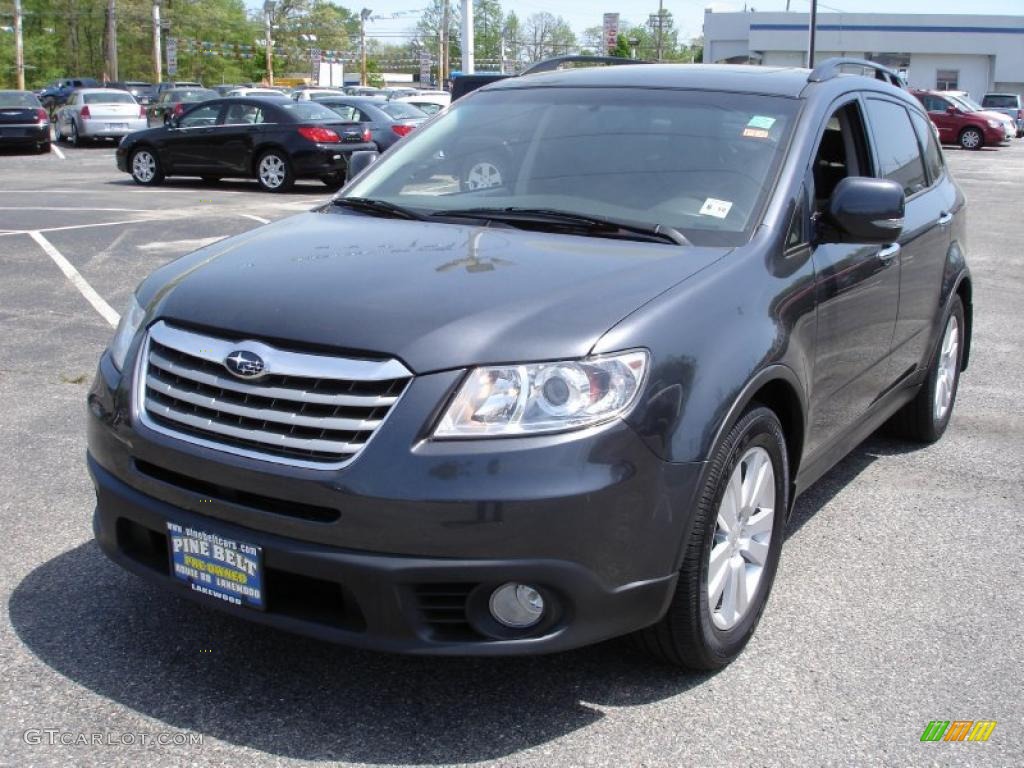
[{"x": 898, "y": 599}]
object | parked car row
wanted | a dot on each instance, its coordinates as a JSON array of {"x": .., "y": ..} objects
[{"x": 960, "y": 120}]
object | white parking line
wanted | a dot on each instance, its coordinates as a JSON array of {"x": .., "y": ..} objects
[
  {"x": 260, "y": 219},
  {"x": 106, "y": 311},
  {"x": 71, "y": 208},
  {"x": 57, "y": 151}
]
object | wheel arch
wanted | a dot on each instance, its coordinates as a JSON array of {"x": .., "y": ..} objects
[
  {"x": 965, "y": 290},
  {"x": 260, "y": 151},
  {"x": 777, "y": 388}
]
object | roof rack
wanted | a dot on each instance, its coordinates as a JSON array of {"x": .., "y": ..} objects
[
  {"x": 550, "y": 65},
  {"x": 830, "y": 68}
]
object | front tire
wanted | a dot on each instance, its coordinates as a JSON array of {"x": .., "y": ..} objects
[
  {"x": 274, "y": 172},
  {"x": 925, "y": 418},
  {"x": 145, "y": 167},
  {"x": 971, "y": 138},
  {"x": 733, "y": 550}
]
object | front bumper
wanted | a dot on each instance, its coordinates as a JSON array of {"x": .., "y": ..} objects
[{"x": 421, "y": 533}]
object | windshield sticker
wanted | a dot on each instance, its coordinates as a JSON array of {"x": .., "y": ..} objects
[
  {"x": 760, "y": 121},
  {"x": 717, "y": 208},
  {"x": 755, "y": 133}
]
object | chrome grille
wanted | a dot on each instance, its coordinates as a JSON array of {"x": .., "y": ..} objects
[{"x": 307, "y": 409}]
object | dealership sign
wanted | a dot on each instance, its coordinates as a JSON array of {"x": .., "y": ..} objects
[
  {"x": 172, "y": 56},
  {"x": 611, "y": 30}
]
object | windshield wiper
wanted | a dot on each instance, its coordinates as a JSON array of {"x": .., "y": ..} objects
[
  {"x": 377, "y": 208},
  {"x": 595, "y": 224}
]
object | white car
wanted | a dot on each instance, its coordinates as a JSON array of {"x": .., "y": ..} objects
[
  {"x": 98, "y": 113},
  {"x": 430, "y": 102},
  {"x": 264, "y": 93},
  {"x": 316, "y": 94}
]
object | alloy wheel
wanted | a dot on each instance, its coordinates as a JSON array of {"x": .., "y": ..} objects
[
  {"x": 742, "y": 538},
  {"x": 483, "y": 175},
  {"x": 272, "y": 171},
  {"x": 949, "y": 359},
  {"x": 143, "y": 166},
  {"x": 970, "y": 140}
]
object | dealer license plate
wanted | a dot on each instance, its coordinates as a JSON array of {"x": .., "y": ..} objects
[{"x": 220, "y": 568}]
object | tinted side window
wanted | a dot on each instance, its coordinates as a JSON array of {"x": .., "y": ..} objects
[
  {"x": 932, "y": 155},
  {"x": 899, "y": 157},
  {"x": 201, "y": 117}
]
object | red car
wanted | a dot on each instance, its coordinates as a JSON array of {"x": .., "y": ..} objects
[{"x": 971, "y": 129}]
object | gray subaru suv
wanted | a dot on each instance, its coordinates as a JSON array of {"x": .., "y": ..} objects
[{"x": 552, "y": 370}]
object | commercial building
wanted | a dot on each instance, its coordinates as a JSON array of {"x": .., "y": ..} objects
[{"x": 945, "y": 52}]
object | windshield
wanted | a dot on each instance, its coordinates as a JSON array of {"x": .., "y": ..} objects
[
  {"x": 701, "y": 162},
  {"x": 113, "y": 97},
  {"x": 1000, "y": 102},
  {"x": 302, "y": 111},
  {"x": 966, "y": 103},
  {"x": 401, "y": 110},
  {"x": 18, "y": 99}
]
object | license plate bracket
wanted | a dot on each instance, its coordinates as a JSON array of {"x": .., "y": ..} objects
[{"x": 216, "y": 566}]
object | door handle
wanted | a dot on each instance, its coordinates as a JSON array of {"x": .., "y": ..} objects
[
  {"x": 945, "y": 218},
  {"x": 889, "y": 252}
]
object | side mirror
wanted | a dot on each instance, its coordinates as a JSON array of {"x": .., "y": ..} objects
[
  {"x": 864, "y": 210},
  {"x": 360, "y": 161},
  {"x": 951, "y": 110}
]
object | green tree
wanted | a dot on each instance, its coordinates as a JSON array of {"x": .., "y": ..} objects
[
  {"x": 545, "y": 35},
  {"x": 488, "y": 24}
]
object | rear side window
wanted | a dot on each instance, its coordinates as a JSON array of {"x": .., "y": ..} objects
[
  {"x": 899, "y": 157},
  {"x": 926, "y": 136}
]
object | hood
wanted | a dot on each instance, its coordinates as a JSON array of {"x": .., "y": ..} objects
[
  {"x": 432, "y": 294},
  {"x": 988, "y": 114}
]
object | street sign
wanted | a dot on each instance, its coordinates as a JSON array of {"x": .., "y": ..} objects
[
  {"x": 611, "y": 30},
  {"x": 424, "y": 67},
  {"x": 172, "y": 56}
]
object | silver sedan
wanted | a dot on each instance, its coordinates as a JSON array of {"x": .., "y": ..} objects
[{"x": 99, "y": 113}]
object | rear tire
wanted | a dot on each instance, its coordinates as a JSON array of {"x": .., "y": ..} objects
[
  {"x": 73, "y": 138},
  {"x": 145, "y": 167},
  {"x": 44, "y": 148},
  {"x": 274, "y": 172},
  {"x": 925, "y": 418},
  {"x": 971, "y": 138},
  {"x": 734, "y": 547}
]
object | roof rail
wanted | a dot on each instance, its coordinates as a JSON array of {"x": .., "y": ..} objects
[
  {"x": 830, "y": 68},
  {"x": 550, "y": 65}
]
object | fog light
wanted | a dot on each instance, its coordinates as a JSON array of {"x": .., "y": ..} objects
[{"x": 517, "y": 605}]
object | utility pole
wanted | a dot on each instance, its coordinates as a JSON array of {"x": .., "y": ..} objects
[
  {"x": 112, "y": 40},
  {"x": 363, "y": 16},
  {"x": 468, "y": 62},
  {"x": 268, "y": 31},
  {"x": 658, "y": 20},
  {"x": 442, "y": 68},
  {"x": 812, "y": 27},
  {"x": 19, "y": 47},
  {"x": 157, "y": 54}
]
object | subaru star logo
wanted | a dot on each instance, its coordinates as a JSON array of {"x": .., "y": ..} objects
[{"x": 244, "y": 364}]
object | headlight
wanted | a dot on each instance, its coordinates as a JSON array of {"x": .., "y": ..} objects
[
  {"x": 995, "y": 124},
  {"x": 544, "y": 397},
  {"x": 126, "y": 329}
]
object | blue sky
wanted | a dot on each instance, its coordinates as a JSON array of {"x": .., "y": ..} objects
[{"x": 689, "y": 14}]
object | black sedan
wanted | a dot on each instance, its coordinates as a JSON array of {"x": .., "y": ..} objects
[
  {"x": 275, "y": 142},
  {"x": 387, "y": 121},
  {"x": 23, "y": 121}
]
